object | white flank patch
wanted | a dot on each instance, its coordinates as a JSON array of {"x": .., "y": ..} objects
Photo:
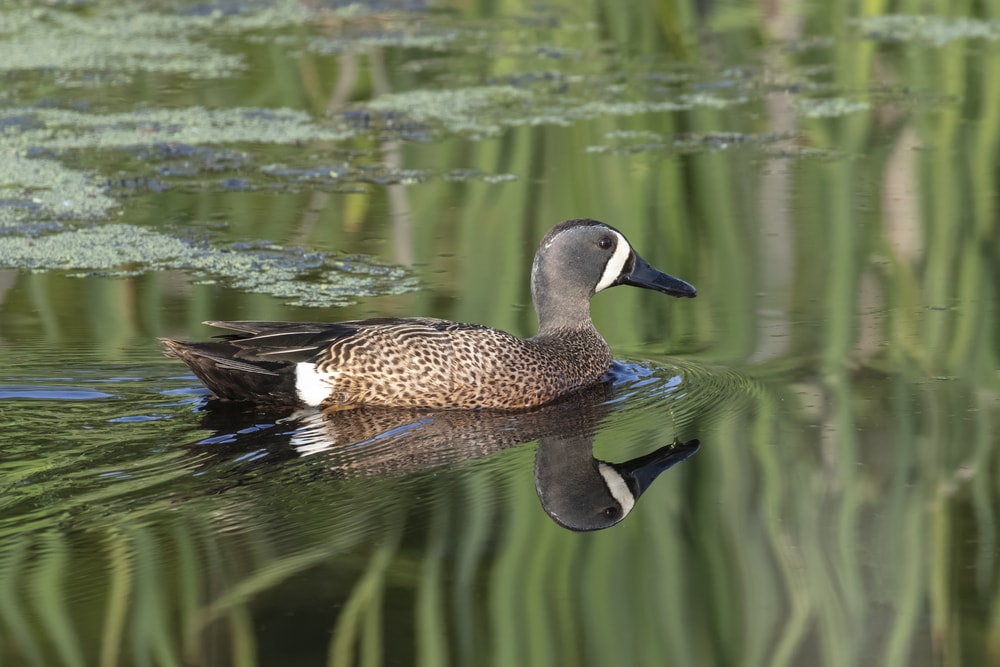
[
  {"x": 617, "y": 486},
  {"x": 614, "y": 267},
  {"x": 312, "y": 386}
]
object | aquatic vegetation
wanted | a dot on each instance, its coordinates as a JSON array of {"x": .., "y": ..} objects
[
  {"x": 829, "y": 107},
  {"x": 124, "y": 40},
  {"x": 341, "y": 174},
  {"x": 487, "y": 110},
  {"x": 128, "y": 38},
  {"x": 402, "y": 38},
  {"x": 300, "y": 277},
  {"x": 36, "y": 192},
  {"x": 39, "y": 190},
  {"x": 478, "y": 110},
  {"x": 632, "y": 142},
  {"x": 65, "y": 129},
  {"x": 933, "y": 30}
]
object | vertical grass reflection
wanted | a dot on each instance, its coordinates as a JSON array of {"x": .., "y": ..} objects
[{"x": 739, "y": 558}]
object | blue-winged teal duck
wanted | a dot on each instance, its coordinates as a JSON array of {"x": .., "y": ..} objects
[{"x": 411, "y": 362}]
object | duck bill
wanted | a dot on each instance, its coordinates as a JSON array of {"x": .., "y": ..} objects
[
  {"x": 644, "y": 275},
  {"x": 641, "y": 472}
]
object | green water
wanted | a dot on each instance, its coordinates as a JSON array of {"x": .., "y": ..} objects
[{"x": 826, "y": 174}]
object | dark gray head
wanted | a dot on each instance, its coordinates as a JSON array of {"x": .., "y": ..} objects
[
  {"x": 582, "y": 493},
  {"x": 578, "y": 258}
]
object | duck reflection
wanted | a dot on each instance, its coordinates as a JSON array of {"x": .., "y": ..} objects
[
  {"x": 582, "y": 493},
  {"x": 576, "y": 490}
]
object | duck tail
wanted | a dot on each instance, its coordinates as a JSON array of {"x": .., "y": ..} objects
[{"x": 231, "y": 376}]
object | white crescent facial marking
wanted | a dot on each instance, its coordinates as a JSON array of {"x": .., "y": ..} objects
[
  {"x": 311, "y": 386},
  {"x": 614, "y": 267},
  {"x": 617, "y": 486}
]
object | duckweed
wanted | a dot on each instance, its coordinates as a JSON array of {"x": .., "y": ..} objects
[
  {"x": 830, "y": 107},
  {"x": 108, "y": 40},
  {"x": 405, "y": 39},
  {"x": 484, "y": 110},
  {"x": 41, "y": 190},
  {"x": 61, "y": 129},
  {"x": 112, "y": 38},
  {"x": 487, "y": 110},
  {"x": 934, "y": 30},
  {"x": 301, "y": 277}
]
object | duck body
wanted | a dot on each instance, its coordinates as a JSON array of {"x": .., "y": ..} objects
[
  {"x": 402, "y": 362},
  {"x": 425, "y": 362}
]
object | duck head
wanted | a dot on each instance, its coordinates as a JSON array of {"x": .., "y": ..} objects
[
  {"x": 579, "y": 258},
  {"x": 582, "y": 493}
]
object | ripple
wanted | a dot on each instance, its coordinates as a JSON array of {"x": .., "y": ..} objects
[
  {"x": 659, "y": 400},
  {"x": 93, "y": 438},
  {"x": 132, "y": 419},
  {"x": 51, "y": 393}
]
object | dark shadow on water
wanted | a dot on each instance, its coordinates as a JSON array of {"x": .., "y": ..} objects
[{"x": 576, "y": 490}]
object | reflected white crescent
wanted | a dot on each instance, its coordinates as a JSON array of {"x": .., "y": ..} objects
[{"x": 617, "y": 486}]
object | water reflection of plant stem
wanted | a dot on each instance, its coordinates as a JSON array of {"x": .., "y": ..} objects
[
  {"x": 47, "y": 583},
  {"x": 120, "y": 565},
  {"x": 399, "y": 207},
  {"x": 360, "y": 621},
  {"x": 13, "y": 568},
  {"x": 777, "y": 235},
  {"x": 344, "y": 85}
]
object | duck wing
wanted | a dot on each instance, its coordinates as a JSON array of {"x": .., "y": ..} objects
[{"x": 294, "y": 342}]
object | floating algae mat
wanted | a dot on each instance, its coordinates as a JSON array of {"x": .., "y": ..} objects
[
  {"x": 933, "y": 30},
  {"x": 62, "y": 129},
  {"x": 34, "y": 192},
  {"x": 303, "y": 278},
  {"x": 129, "y": 39}
]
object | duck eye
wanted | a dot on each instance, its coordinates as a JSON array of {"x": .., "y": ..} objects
[
  {"x": 605, "y": 243},
  {"x": 611, "y": 512}
]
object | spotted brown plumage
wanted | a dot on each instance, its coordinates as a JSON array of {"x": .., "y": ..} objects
[{"x": 425, "y": 362}]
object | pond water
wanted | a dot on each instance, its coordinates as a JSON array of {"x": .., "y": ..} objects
[{"x": 823, "y": 414}]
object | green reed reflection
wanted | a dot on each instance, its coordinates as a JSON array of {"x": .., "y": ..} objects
[{"x": 490, "y": 580}]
